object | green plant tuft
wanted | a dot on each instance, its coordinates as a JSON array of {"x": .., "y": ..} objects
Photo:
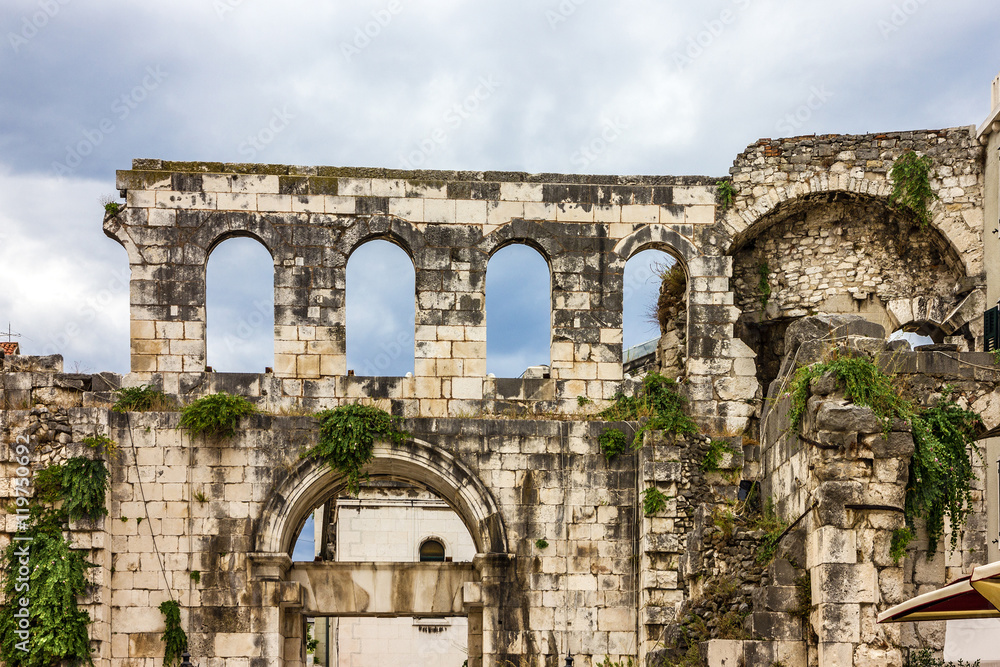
[
  {"x": 612, "y": 442},
  {"x": 347, "y": 438},
  {"x": 174, "y": 637},
  {"x": 717, "y": 449},
  {"x": 196, "y": 576},
  {"x": 84, "y": 488},
  {"x": 200, "y": 497},
  {"x": 911, "y": 187},
  {"x": 901, "y": 538},
  {"x": 216, "y": 415},
  {"x": 143, "y": 398},
  {"x": 103, "y": 444},
  {"x": 653, "y": 501},
  {"x": 764, "y": 284},
  {"x": 657, "y": 399},
  {"x": 541, "y": 544},
  {"x": 726, "y": 193}
]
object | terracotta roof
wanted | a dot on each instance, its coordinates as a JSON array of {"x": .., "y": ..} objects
[{"x": 10, "y": 348}]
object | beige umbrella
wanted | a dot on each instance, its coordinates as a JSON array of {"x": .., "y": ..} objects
[{"x": 974, "y": 596}]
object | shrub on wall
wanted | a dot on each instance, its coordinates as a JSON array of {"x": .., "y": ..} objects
[
  {"x": 216, "y": 415},
  {"x": 347, "y": 438}
]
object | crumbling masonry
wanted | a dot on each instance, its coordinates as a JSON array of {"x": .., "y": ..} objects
[{"x": 612, "y": 582}]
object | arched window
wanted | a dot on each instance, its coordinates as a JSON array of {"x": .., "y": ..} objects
[
  {"x": 432, "y": 551},
  {"x": 645, "y": 273},
  {"x": 239, "y": 304},
  {"x": 518, "y": 311},
  {"x": 381, "y": 308}
]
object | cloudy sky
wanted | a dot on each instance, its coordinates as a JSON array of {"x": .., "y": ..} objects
[{"x": 578, "y": 86}]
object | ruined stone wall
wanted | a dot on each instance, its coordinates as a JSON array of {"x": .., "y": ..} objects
[
  {"x": 846, "y": 478},
  {"x": 835, "y": 257}
]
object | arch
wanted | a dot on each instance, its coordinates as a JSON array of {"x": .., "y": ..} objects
[
  {"x": 519, "y": 304},
  {"x": 239, "y": 327},
  {"x": 659, "y": 237},
  {"x": 641, "y": 278},
  {"x": 380, "y": 315},
  {"x": 216, "y": 228},
  {"x": 432, "y": 549},
  {"x": 416, "y": 462},
  {"x": 382, "y": 228},
  {"x": 529, "y": 232},
  {"x": 779, "y": 201}
]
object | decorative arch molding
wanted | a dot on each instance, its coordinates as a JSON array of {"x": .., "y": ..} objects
[
  {"x": 660, "y": 237},
  {"x": 529, "y": 232},
  {"x": 397, "y": 231},
  {"x": 414, "y": 461},
  {"x": 114, "y": 230},
  {"x": 745, "y": 219}
]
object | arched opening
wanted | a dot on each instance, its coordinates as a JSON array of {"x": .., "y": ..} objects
[
  {"x": 239, "y": 304},
  {"x": 654, "y": 313},
  {"x": 432, "y": 551},
  {"x": 389, "y": 521},
  {"x": 518, "y": 313},
  {"x": 381, "y": 310},
  {"x": 838, "y": 254}
]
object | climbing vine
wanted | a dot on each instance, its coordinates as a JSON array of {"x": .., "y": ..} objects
[
  {"x": 347, "y": 438},
  {"x": 42, "y": 570},
  {"x": 944, "y": 439},
  {"x": 174, "y": 638},
  {"x": 216, "y": 415},
  {"x": 911, "y": 188}
]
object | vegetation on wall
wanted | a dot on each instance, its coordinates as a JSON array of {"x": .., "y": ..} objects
[
  {"x": 144, "y": 398},
  {"x": 347, "y": 438},
  {"x": 717, "y": 450},
  {"x": 174, "y": 638},
  {"x": 763, "y": 285},
  {"x": 216, "y": 415},
  {"x": 911, "y": 187},
  {"x": 653, "y": 501},
  {"x": 673, "y": 285},
  {"x": 944, "y": 439},
  {"x": 658, "y": 402},
  {"x": 725, "y": 192},
  {"x": 45, "y": 565}
]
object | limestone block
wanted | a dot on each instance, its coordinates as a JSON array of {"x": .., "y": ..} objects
[
  {"x": 738, "y": 388},
  {"x": 722, "y": 652},
  {"x": 829, "y": 544},
  {"x": 841, "y": 583},
  {"x": 842, "y": 416},
  {"x": 838, "y": 654}
]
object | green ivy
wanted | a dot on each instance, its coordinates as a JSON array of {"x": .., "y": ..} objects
[
  {"x": 56, "y": 577},
  {"x": 653, "y": 501},
  {"x": 901, "y": 538},
  {"x": 911, "y": 188},
  {"x": 85, "y": 484},
  {"x": 174, "y": 638},
  {"x": 726, "y": 193},
  {"x": 347, "y": 438},
  {"x": 216, "y": 415},
  {"x": 941, "y": 472}
]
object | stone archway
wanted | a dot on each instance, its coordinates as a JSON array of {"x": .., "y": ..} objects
[{"x": 367, "y": 588}]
